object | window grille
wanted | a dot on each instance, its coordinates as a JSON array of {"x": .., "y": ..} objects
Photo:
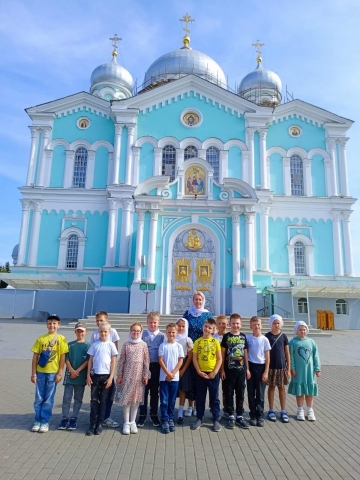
[
  {"x": 302, "y": 305},
  {"x": 190, "y": 152},
  {"x": 80, "y": 164},
  {"x": 169, "y": 161},
  {"x": 299, "y": 255},
  {"x": 72, "y": 252},
  {"x": 212, "y": 157},
  {"x": 341, "y": 307},
  {"x": 297, "y": 177}
]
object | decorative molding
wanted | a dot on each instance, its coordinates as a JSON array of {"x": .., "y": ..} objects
[
  {"x": 174, "y": 142},
  {"x": 235, "y": 143},
  {"x": 140, "y": 141},
  {"x": 102, "y": 143}
]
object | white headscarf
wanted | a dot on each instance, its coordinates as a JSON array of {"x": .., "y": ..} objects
[
  {"x": 196, "y": 312},
  {"x": 134, "y": 340},
  {"x": 182, "y": 337},
  {"x": 300, "y": 324},
  {"x": 276, "y": 317}
]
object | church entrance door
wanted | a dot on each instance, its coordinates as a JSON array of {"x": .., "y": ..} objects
[{"x": 193, "y": 265}]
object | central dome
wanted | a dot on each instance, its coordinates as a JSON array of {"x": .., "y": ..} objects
[{"x": 182, "y": 62}]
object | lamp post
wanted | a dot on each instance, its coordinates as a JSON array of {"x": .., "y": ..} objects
[{"x": 147, "y": 288}]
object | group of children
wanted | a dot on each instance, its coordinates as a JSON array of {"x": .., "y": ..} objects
[{"x": 170, "y": 366}]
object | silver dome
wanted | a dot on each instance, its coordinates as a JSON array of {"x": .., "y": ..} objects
[
  {"x": 114, "y": 73},
  {"x": 185, "y": 61},
  {"x": 260, "y": 78}
]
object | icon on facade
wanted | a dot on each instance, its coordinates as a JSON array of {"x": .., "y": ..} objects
[
  {"x": 194, "y": 242},
  {"x": 203, "y": 273},
  {"x": 191, "y": 119},
  {"x": 83, "y": 123},
  {"x": 295, "y": 131},
  {"x": 195, "y": 181},
  {"x": 182, "y": 272}
]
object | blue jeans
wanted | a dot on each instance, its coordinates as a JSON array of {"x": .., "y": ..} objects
[
  {"x": 202, "y": 386},
  {"x": 45, "y": 389},
  {"x": 69, "y": 391},
  {"x": 168, "y": 394}
]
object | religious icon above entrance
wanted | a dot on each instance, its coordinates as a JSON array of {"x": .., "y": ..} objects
[
  {"x": 195, "y": 240},
  {"x": 195, "y": 181}
]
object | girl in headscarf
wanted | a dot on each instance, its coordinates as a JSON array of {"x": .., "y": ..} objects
[
  {"x": 186, "y": 383},
  {"x": 196, "y": 316},
  {"x": 305, "y": 368}
]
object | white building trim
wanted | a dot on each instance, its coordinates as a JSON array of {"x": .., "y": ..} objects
[
  {"x": 235, "y": 143},
  {"x": 80, "y": 143},
  {"x": 102, "y": 143},
  {"x": 63, "y": 239},
  {"x": 140, "y": 141},
  {"x": 213, "y": 142},
  {"x": 279, "y": 150},
  {"x": 56, "y": 142},
  {"x": 168, "y": 141},
  {"x": 191, "y": 141},
  {"x": 309, "y": 254}
]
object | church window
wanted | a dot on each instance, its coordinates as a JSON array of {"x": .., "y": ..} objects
[
  {"x": 297, "y": 177},
  {"x": 190, "y": 152},
  {"x": 299, "y": 256},
  {"x": 72, "y": 252},
  {"x": 341, "y": 307},
  {"x": 80, "y": 164},
  {"x": 212, "y": 157},
  {"x": 169, "y": 161},
  {"x": 302, "y": 305}
]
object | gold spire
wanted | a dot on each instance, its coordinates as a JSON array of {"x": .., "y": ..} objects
[
  {"x": 258, "y": 46},
  {"x": 187, "y": 19},
  {"x": 115, "y": 39}
]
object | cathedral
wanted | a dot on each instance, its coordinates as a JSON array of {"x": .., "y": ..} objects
[{"x": 184, "y": 184}]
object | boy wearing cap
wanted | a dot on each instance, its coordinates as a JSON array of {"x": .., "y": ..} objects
[{"x": 76, "y": 361}]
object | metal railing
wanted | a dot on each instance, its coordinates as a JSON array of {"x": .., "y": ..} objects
[{"x": 265, "y": 311}]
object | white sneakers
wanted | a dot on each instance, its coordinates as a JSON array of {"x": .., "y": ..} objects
[
  {"x": 300, "y": 415},
  {"x": 310, "y": 415},
  {"x": 188, "y": 412},
  {"x": 129, "y": 428},
  {"x": 133, "y": 428}
]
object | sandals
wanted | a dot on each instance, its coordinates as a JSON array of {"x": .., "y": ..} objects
[
  {"x": 284, "y": 417},
  {"x": 272, "y": 417}
]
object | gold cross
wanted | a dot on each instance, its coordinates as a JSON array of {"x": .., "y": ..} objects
[
  {"x": 115, "y": 39},
  {"x": 258, "y": 45},
  {"x": 187, "y": 19}
]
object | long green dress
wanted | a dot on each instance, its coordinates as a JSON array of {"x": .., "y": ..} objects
[{"x": 304, "y": 359}]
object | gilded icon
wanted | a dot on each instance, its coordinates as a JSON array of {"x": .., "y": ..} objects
[
  {"x": 83, "y": 123},
  {"x": 195, "y": 181},
  {"x": 191, "y": 119},
  {"x": 295, "y": 131},
  {"x": 182, "y": 272},
  {"x": 193, "y": 241},
  {"x": 203, "y": 272}
]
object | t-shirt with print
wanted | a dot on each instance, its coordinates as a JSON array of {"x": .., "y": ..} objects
[
  {"x": 235, "y": 346},
  {"x": 277, "y": 354},
  {"x": 206, "y": 349},
  {"x": 60, "y": 348},
  {"x": 170, "y": 353},
  {"x": 102, "y": 353},
  {"x": 77, "y": 355},
  {"x": 257, "y": 346},
  {"x": 113, "y": 336}
]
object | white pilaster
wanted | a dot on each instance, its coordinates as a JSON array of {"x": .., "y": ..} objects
[
  {"x": 117, "y": 150},
  {"x": 263, "y": 169},
  {"x": 81, "y": 253},
  {"x": 32, "y": 157},
  {"x": 328, "y": 175},
  {"x": 23, "y": 231},
  {"x": 136, "y": 158},
  {"x": 343, "y": 167},
  {"x": 139, "y": 245},
  {"x": 291, "y": 254},
  {"x": 268, "y": 172},
  {"x": 223, "y": 167},
  {"x": 307, "y": 177},
  {"x": 90, "y": 168},
  {"x": 309, "y": 256},
  {"x": 338, "y": 259},
  {"x": 111, "y": 238},
  {"x": 348, "y": 245},
  {"x": 69, "y": 168},
  {"x": 179, "y": 159},
  {"x": 250, "y": 143},
  {"x": 35, "y": 231},
  {"x": 264, "y": 234},
  {"x": 48, "y": 166},
  {"x": 202, "y": 153},
  {"x": 129, "y": 158},
  {"x": 245, "y": 166},
  {"x": 332, "y": 151},
  {"x": 287, "y": 175},
  {"x": 125, "y": 232},
  {"x": 236, "y": 248},
  {"x": 42, "y": 165},
  {"x": 110, "y": 169},
  {"x": 249, "y": 238},
  {"x": 158, "y": 161},
  {"x": 152, "y": 247}
]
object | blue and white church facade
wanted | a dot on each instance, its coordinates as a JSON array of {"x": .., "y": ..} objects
[{"x": 186, "y": 185}]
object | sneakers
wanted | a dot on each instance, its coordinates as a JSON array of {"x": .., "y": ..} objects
[
  {"x": 35, "y": 427},
  {"x": 72, "y": 424},
  {"x": 188, "y": 412},
  {"x": 110, "y": 423},
  {"x": 63, "y": 424},
  {"x": 284, "y": 417},
  {"x": 231, "y": 422},
  {"x": 194, "y": 412},
  {"x": 260, "y": 422},
  {"x": 91, "y": 430},
  {"x": 197, "y": 424},
  {"x": 165, "y": 428},
  {"x": 171, "y": 425},
  {"x": 133, "y": 428},
  {"x": 271, "y": 416},
  {"x": 217, "y": 426},
  {"x": 310, "y": 415},
  {"x": 44, "y": 427},
  {"x": 141, "y": 420},
  {"x": 180, "y": 420},
  {"x": 252, "y": 422},
  {"x": 98, "y": 429},
  {"x": 300, "y": 416},
  {"x": 155, "y": 420},
  {"x": 241, "y": 423},
  {"x": 126, "y": 429}
]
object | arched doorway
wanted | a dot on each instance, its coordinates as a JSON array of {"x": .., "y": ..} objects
[{"x": 193, "y": 268}]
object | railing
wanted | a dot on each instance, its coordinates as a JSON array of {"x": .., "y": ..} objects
[{"x": 265, "y": 312}]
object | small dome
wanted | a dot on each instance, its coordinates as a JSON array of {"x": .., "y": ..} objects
[
  {"x": 266, "y": 83},
  {"x": 111, "y": 76}
]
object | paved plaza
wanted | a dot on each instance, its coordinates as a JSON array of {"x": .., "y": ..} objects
[{"x": 326, "y": 449}]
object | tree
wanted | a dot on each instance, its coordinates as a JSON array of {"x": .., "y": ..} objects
[{"x": 4, "y": 269}]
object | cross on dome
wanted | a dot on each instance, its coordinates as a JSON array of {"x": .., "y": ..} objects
[
  {"x": 187, "y": 19},
  {"x": 115, "y": 39},
  {"x": 258, "y": 46}
]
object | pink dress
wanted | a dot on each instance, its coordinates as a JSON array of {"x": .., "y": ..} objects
[{"x": 133, "y": 366}]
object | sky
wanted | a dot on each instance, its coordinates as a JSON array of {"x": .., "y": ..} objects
[{"x": 48, "y": 50}]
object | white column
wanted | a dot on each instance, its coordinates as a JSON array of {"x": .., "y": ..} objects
[
  {"x": 250, "y": 143},
  {"x": 90, "y": 168},
  {"x": 111, "y": 238},
  {"x": 129, "y": 160},
  {"x": 343, "y": 167},
  {"x": 117, "y": 150},
  {"x": 179, "y": 159},
  {"x": 223, "y": 167},
  {"x": 42, "y": 164},
  {"x": 268, "y": 172},
  {"x": 328, "y": 175},
  {"x": 332, "y": 152},
  {"x": 291, "y": 254},
  {"x": 307, "y": 177},
  {"x": 48, "y": 166},
  {"x": 348, "y": 245},
  {"x": 158, "y": 161},
  {"x": 309, "y": 256},
  {"x": 139, "y": 245},
  {"x": 35, "y": 231},
  {"x": 136, "y": 157},
  {"x": 287, "y": 175},
  {"x": 125, "y": 233},
  {"x": 236, "y": 248},
  {"x": 338, "y": 259},
  {"x": 249, "y": 238},
  {"x": 202, "y": 153},
  {"x": 245, "y": 166},
  {"x": 152, "y": 247},
  {"x": 32, "y": 158},
  {"x": 69, "y": 168},
  {"x": 110, "y": 169},
  {"x": 264, "y": 234},
  {"x": 81, "y": 254},
  {"x": 263, "y": 169},
  {"x": 23, "y": 231}
]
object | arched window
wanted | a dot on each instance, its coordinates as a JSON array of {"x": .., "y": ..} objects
[
  {"x": 169, "y": 161},
  {"x": 72, "y": 252},
  {"x": 190, "y": 152},
  {"x": 80, "y": 164},
  {"x": 341, "y": 307},
  {"x": 302, "y": 305},
  {"x": 297, "y": 177},
  {"x": 299, "y": 257},
  {"x": 212, "y": 157}
]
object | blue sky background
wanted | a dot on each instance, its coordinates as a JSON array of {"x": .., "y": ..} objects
[{"x": 48, "y": 50}]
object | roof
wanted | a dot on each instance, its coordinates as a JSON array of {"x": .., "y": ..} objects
[
  {"x": 47, "y": 282},
  {"x": 328, "y": 288}
]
